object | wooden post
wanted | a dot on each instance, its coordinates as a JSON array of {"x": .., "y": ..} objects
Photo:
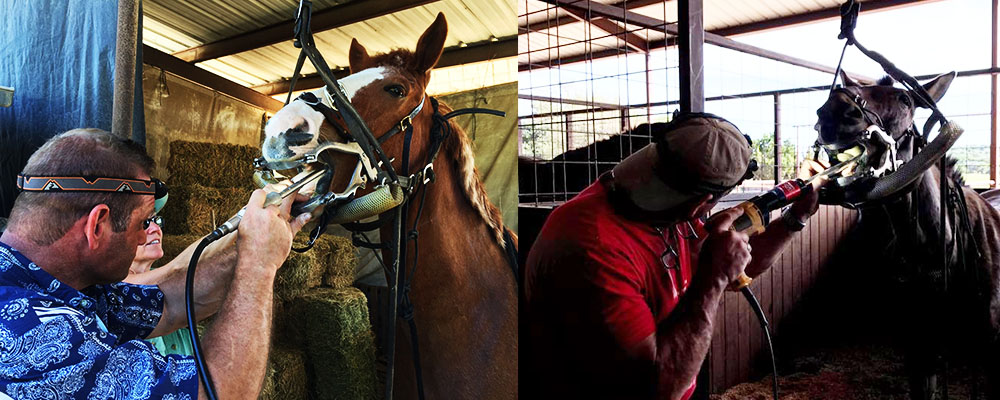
[
  {"x": 692, "y": 39},
  {"x": 777, "y": 139},
  {"x": 993, "y": 103},
  {"x": 124, "y": 86}
]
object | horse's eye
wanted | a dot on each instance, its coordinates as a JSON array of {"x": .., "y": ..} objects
[
  {"x": 905, "y": 99},
  {"x": 396, "y": 90}
]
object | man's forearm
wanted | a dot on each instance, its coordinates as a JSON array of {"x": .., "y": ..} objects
[
  {"x": 213, "y": 275},
  {"x": 683, "y": 339},
  {"x": 237, "y": 344}
]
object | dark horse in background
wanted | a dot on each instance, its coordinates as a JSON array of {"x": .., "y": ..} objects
[
  {"x": 567, "y": 174},
  {"x": 963, "y": 320}
]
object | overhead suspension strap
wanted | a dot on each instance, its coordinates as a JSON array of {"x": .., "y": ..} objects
[{"x": 848, "y": 21}]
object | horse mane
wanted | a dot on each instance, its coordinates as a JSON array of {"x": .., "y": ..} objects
[
  {"x": 951, "y": 169},
  {"x": 885, "y": 81},
  {"x": 458, "y": 143}
]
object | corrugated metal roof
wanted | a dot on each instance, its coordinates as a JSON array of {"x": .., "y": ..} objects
[
  {"x": 546, "y": 33},
  {"x": 172, "y": 26}
]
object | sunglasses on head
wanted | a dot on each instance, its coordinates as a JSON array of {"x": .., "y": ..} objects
[{"x": 153, "y": 187}]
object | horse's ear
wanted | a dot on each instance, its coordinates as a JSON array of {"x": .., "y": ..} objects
[
  {"x": 937, "y": 86},
  {"x": 431, "y": 44},
  {"x": 358, "y": 56},
  {"x": 848, "y": 82}
]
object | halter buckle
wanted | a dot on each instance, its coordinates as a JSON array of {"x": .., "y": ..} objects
[
  {"x": 428, "y": 173},
  {"x": 405, "y": 123}
]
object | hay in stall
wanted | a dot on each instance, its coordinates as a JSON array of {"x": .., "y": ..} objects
[
  {"x": 847, "y": 371},
  {"x": 211, "y": 164},
  {"x": 286, "y": 376},
  {"x": 299, "y": 273},
  {"x": 199, "y": 209},
  {"x": 339, "y": 257},
  {"x": 339, "y": 343}
]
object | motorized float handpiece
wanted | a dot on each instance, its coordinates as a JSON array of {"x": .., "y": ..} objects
[
  {"x": 757, "y": 210},
  {"x": 273, "y": 198},
  {"x": 226, "y": 228}
]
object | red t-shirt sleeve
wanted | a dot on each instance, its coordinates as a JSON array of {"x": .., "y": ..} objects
[{"x": 621, "y": 300}]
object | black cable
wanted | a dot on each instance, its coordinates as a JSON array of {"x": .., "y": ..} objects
[
  {"x": 755, "y": 306},
  {"x": 199, "y": 358}
]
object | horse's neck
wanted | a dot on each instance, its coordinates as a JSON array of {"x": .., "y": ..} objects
[
  {"x": 448, "y": 217},
  {"x": 915, "y": 219}
]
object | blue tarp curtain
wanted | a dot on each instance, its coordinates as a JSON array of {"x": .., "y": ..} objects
[{"x": 59, "y": 57}]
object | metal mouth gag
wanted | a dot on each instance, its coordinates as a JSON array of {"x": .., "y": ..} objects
[{"x": 874, "y": 150}]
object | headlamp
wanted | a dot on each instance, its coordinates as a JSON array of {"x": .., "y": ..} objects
[{"x": 153, "y": 187}]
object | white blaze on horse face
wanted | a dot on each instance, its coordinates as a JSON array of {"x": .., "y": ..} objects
[
  {"x": 294, "y": 115},
  {"x": 357, "y": 81}
]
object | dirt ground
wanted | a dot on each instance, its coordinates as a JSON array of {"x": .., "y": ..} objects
[{"x": 851, "y": 371}]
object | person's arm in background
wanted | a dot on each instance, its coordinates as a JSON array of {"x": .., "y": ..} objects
[
  {"x": 214, "y": 272},
  {"x": 680, "y": 343},
  {"x": 156, "y": 275}
]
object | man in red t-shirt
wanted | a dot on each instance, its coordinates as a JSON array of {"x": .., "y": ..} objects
[{"x": 622, "y": 284}]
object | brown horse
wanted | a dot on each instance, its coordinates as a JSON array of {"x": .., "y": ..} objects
[
  {"x": 964, "y": 320},
  {"x": 463, "y": 291}
]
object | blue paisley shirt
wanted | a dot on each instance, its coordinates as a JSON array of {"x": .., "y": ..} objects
[{"x": 60, "y": 343}]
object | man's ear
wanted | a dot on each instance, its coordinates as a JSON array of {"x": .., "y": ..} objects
[{"x": 97, "y": 226}]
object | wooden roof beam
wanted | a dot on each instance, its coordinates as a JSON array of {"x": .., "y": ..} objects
[
  {"x": 474, "y": 52},
  {"x": 553, "y": 23},
  {"x": 631, "y": 40},
  {"x": 621, "y": 15},
  {"x": 331, "y": 18}
]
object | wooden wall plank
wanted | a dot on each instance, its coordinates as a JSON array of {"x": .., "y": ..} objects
[
  {"x": 718, "y": 352},
  {"x": 732, "y": 345},
  {"x": 737, "y": 339}
]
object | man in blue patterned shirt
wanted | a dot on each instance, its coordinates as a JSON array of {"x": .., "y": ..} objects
[{"x": 70, "y": 329}]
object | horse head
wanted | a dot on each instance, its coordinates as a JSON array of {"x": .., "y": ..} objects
[
  {"x": 383, "y": 88},
  {"x": 853, "y": 108},
  {"x": 873, "y": 124}
]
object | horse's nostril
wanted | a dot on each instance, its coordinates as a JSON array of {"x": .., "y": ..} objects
[{"x": 297, "y": 138}]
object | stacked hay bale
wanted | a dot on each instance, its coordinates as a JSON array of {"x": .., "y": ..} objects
[{"x": 322, "y": 346}]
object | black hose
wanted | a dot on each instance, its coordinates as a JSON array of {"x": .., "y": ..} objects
[
  {"x": 206, "y": 378},
  {"x": 755, "y": 306}
]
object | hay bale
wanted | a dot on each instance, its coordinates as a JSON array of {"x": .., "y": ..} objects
[
  {"x": 286, "y": 376},
  {"x": 210, "y": 164},
  {"x": 339, "y": 343},
  {"x": 338, "y": 257},
  {"x": 299, "y": 273},
  {"x": 198, "y": 209},
  {"x": 289, "y": 324}
]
